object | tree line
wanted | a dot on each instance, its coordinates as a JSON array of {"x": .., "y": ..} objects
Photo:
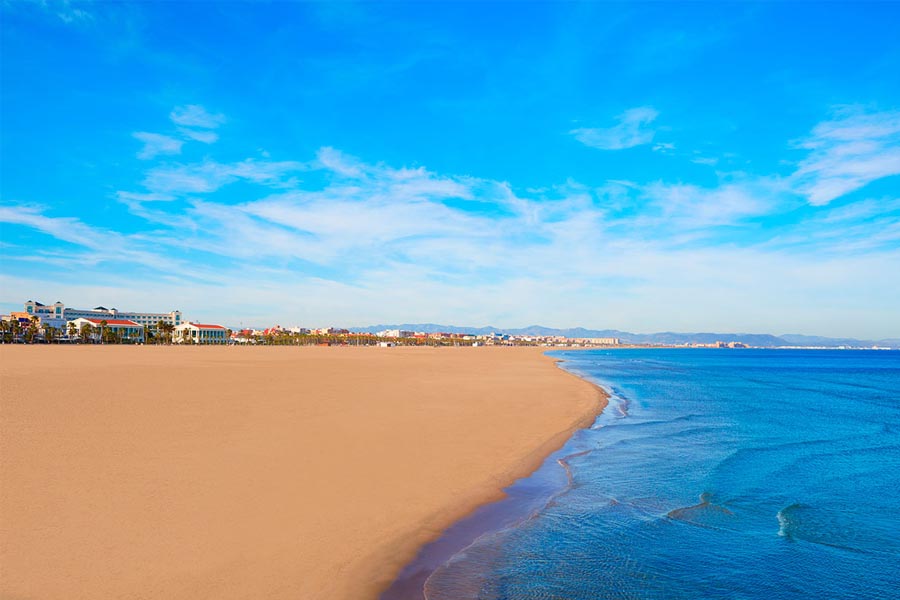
[{"x": 15, "y": 331}]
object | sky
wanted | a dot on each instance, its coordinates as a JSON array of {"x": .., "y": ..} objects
[{"x": 646, "y": 167}]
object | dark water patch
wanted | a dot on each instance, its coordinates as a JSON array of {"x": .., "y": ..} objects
[{"x": 704, "y": 514}]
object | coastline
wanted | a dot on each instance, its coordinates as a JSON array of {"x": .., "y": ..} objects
[
  {"x": 482, "y": 513},
  {"x": 377, "y": 478},
  {"x": 528, "y": 491}
]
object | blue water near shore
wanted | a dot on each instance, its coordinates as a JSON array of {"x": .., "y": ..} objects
[{"x": 740, "y": 474}]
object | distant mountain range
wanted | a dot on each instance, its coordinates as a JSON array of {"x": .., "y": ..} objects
[{"x": 666, "y": 337}]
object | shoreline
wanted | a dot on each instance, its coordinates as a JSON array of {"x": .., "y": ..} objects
[
  {"x": 317, "y": 473},
  {"x": 510, "y": 506}
]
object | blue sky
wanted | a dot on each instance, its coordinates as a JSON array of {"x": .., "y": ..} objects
[{"x": 661, "y": 166}]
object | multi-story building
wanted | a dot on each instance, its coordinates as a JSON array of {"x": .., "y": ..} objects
[
  {"x": 54, "y": 311},
  {"x": 57, "y": 312},
  {"x": 607, "y": 341}
]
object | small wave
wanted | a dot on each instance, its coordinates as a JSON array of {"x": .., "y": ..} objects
[
  {"x": 802, "y": 522},
  {"x": 787, "y": 521}
]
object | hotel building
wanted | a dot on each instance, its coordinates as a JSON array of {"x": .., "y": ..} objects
[{"x": 57, "y": 314}]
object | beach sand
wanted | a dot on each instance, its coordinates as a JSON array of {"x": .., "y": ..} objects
[{"x": 229, "y": 472}]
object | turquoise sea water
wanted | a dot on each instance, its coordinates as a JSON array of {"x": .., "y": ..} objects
[{"x": 745, "y": 474}]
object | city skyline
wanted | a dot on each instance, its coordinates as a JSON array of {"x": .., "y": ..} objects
[{"x": 634, "y": 167}]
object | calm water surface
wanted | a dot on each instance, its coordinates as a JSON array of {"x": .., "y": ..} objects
[{"x": 757, "y": 474}]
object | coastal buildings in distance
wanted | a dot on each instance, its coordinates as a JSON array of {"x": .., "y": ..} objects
[
  {"x": 57, "y": 321},
  {"x": 57, "y": 313}
]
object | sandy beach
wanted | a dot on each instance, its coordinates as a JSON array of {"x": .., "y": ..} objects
[{"x": 313, "y": 473}]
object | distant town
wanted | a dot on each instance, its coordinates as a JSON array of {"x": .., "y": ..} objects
[{"x": 56, "y": 323}]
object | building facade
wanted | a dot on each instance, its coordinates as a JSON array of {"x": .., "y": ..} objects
[
  {"x": 395, "y": 333},
  {"x": 200, "y": 333},
  {"x": 607, "y": 341},
  {"x": 125, "y": 329},
  {"x": 59, "y": 311}
]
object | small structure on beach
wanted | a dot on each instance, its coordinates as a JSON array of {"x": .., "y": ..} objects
[{"x": 200, "y": 333}]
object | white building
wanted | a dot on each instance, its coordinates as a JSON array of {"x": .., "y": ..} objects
[
  {"x": 58, "y": 310},
  {"x": 395, "y": 333},
  {"x": 200, "y": 333},
  {"x": 609, "y": 341},
  {"x": 124, "y": 328}
]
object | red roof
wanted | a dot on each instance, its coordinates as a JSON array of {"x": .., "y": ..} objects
[
  {"x": 202, "y": 326},
  {"x": 114, "y": 322}
]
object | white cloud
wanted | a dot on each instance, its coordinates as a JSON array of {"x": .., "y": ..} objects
[
  {"x": 633, "y": 130},
  {"x": 67, "y": 229},
  {"x": 209, "y": 176},
  {"x": 690, "y": 206},
  {"x": 194, "y": 115},
  {"x": 848, "y": 152},
  {"x": 143, "y": 197},
  {"x": 68, "y": 11},
  {"x": 207, "y": 137},
  {"x": 156, "y": 144},
  {"x": 664, "y": 147},
  {"x": 339, "y": 163}
]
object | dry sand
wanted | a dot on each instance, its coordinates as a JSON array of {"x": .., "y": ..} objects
[{"x": 296, "y": 473}]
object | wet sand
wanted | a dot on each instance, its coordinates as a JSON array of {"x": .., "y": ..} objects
[{"x": 314, "y": 473}]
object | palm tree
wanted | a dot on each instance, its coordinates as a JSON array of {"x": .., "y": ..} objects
[
  {"x": 103, "y": 325},
  {"x": 86, "y": 331},
  {"x": 31, "y": 332},
  {"x": 72, "y": 329},
  {"x": 34, "y": 327},
  {"x": 168, "y": 329}
]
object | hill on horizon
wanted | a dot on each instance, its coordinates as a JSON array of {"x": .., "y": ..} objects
[{"x": 665, "y": 337}]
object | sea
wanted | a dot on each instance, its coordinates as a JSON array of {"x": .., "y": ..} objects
[{"x": 712, "y": 473}]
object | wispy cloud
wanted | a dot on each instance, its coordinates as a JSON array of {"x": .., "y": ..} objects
[
  {"x": 198, "y": 135},
  {"x": 690, "y": 206},
  {"x": 67, "y": 229},
  {"x": 633, "y": 130},
  {"x": 68, "y": 11},
  {"x": 848, "y": 152},
  {"x": 194, "y": 115},
  {"x": 95, "y": 246},
  {"x": 209, "y": 176},
  {"x": 194, "y": 124},
  {"x": 156, "y": 144}
]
